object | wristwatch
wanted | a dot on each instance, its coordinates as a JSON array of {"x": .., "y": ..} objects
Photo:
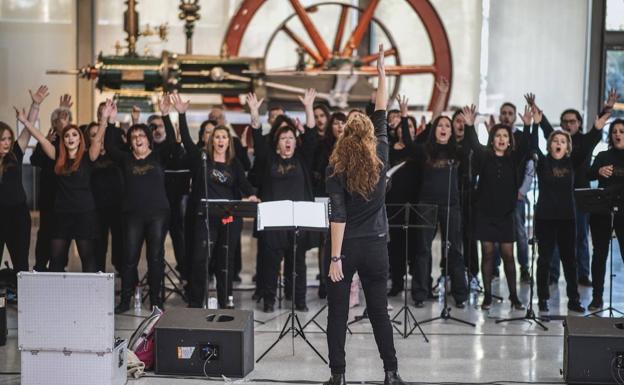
[{"x": 337, "y": 258}]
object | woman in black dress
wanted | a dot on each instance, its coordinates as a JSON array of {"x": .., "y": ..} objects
[
  {"x": 15, "y": 223},
  {"x": 226, "y": 180},
  {"x": 145, "y": 207},
  {"x": 496, "y": 194},
  {"x": 285, "y": 174},
  {"x": 75, "y": 215}
]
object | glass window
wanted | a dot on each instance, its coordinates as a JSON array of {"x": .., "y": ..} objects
[
  {"x": 615, "y": 15},
  {"x": 614, "y": 78}
]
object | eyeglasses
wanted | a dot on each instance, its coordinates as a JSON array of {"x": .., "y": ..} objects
[{"x": 569, "y": 121}]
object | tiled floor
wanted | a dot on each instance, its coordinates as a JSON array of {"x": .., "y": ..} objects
[{"x": 489, "y": 352}]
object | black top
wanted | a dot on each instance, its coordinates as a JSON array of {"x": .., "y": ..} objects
[
  {"x": 499, "y": 177},
  {"x": 321, "y": 160},
  {"x": 11, "y": 189},
  {"x": 284, "y": 178},
  {"x": 364, "y": 216},
  {"x": 582, "y": 145},
  {"x": 613, "y": 157},
  {"x": 74, "y": 188},
  {"x": 557, "y": 180},
  {"x": 144, "y": 179},
  {"x": 106, "y": 182},
  {"x": 225, "y": 181},
  {"x": 47, "y": 177}
]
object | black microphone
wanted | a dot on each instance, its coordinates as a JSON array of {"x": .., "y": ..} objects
[
  {"x": 535, "y": 157},
  {"x": 451, "y": 162},
  {"x": 204, "y": 155}
]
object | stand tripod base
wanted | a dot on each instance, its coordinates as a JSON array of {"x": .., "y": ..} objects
[
  {"x": 529, "y": 316},
  {"x": 407, "y": 315},
  {"x": 364, "y": 316},
  {"x": 295, "y": 330},
  {"x": 446, "y": 315},
  {"x": 313, "y": 321},
  {"x": 610, "y": 309}
]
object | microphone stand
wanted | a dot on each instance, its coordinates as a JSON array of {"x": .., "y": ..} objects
[
  {"x": 446, "y": 310},
  {"x": 530, "y": 313},
  {"x": 204, "y": 157}
]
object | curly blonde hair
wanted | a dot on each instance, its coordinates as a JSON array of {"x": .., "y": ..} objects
[{"x": 355, "y": 156}]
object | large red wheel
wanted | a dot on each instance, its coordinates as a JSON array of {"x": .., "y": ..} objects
[{"x": 323, "y": 56}]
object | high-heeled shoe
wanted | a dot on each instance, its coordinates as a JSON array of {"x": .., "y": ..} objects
[
  {"x": 487, "y": 302},
  {"x": 516, "y": 304},
  {"x": 336, "y": 379}
]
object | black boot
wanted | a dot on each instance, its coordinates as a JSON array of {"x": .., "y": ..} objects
[
  {"x": 124, "y": 302},
  {"x": 336, "y": 379},
  {"x": 393, "y": 378}
]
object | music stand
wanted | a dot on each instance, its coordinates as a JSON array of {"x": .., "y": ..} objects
[
  {"x": 424, "y": 216},
  {"x": 227, "y": 210},
  {"x": 601, "y": 201},
  {"x": 293, "y": 216}
]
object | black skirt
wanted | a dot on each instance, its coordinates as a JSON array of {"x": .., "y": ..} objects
[
  {"x": 75, "y": 225},
  {"x": 499, "y": 229}
]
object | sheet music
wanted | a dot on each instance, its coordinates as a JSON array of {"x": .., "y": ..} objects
[
  {"x": 394, "y": 169},
  {"x": 310, "y": 214},
  {"x": 292, "y": 214}
]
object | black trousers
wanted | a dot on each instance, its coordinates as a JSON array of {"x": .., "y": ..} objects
[
  {"x": 560, "y": 233},
  {"x": 369, "y": 257},
  {"x": 471, "y": 253},
  {"x": 396, "y": 251},
  {"x": 223, "y": 243},
  {"x": 44, "y": 239},
  {"x": 15, "y": 233},
  {"x": 421, "y": 280},
  {"x": 149, "y": 228},
  {"x": 275, "y": 246},
  {"x": 109, "y": 222},
  {"x": 600, "y": 226},
  {"x": 176, "y": 228}
]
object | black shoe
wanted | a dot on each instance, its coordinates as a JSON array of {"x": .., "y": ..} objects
[
  {"x": 585, "y": 281},
  {"x": 336, "y": 379},
  {"x": 525, "y": 277},
  {"x": 302, "y": 307},
  {"x": 542, "y": 304},
  {"x": 394, "y": 291},
  {"x": 516, "y": 304},
  {"x": 576, "y": 306},
  {"x": 419, "y": 304},
  {"x": 596, "y": 304},
  {"x": 124, "y": 306},
  {"x": 460, "y": 304},
  {"x": 393, "y": 378},
  {"x": 237, "y": 278},
  {"x": 487, "y": 302},
  {"x": 269, "y": 308}
]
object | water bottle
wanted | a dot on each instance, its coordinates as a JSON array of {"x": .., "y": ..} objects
[
  {"x": 230, "y": 302},
  {"x": 137, "y": 299},
  {"x": 3, "y": 318},
  {"x": 213, "y": 303}
]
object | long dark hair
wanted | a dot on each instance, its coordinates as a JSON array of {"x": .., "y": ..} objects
[
  {"x": 611, "y": 127},
  {"x": 229, "y": 153},
  {"x": 329, "y": 139},
  {"x": 9, "y": 156},
  {"x": 432, "y": 149}
]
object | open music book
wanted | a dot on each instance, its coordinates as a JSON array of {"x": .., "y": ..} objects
[{"x": 289, "y": 214}]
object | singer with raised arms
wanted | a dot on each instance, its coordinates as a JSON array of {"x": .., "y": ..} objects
[{"x": 359, "y": 231}]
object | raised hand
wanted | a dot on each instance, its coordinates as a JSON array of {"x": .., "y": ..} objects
[
  {"x": 65, "y": 101},
  {"x": 164, "y": 103},
  {"x": 526, "y": 116},
  {"x": 243, "y": 137},
  {"x": 308, "y": 98},
  {"x": 109, "y": 109},
  {"x": 490, "y": 123},
  {"x": 381, "y": 66},
  {"x": 422, "y": 125},
  {"x": 39, "y": 96},
  {"x": 21, "y": 116},
  {"x": 601, "y": 121},
  {"x": 442, "y": 84},
  {"x": 180, "y": 105},
  {"x": 530, "y": 99},
  {"x": 537, "y": 114},
  {"x": 612, "y": 98},
  {"x": 403, "y": 103},
  {"x": 135, "y": 114},
  {"x": 299, "y": 126},
  {"x": 470, "y": 114},
  {"x": 254, "y": 109}
]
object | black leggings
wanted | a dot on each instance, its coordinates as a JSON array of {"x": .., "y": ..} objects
[
  {"x": 151, "y": 228},
  {"x": 600, "y": 226},
  {"x": 44, "y": 239},
  {"x": 86, "y": 251},
  {"x": 275, "y": 246},
  {"x": 561, "y": 233},
  {"x": 487, "y": 267},
  {"x": 109, "y": 220},
  {"x": 15, "y": 233},
  {"x": 177, "y": 222},
  {"x": 369, "y": 257},
  {"x": 223, "y": 243}
]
